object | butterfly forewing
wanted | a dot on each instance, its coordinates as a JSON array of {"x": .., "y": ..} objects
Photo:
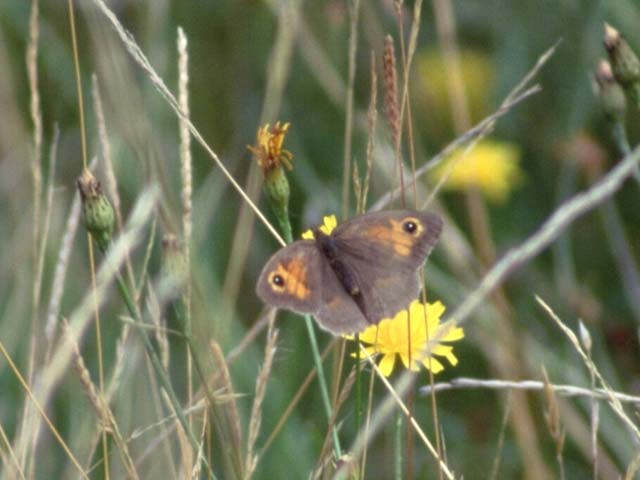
[{"x": 385, "y": 254}]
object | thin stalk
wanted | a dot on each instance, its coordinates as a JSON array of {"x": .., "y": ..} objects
[
  {"x": 397, "y": 449},
  {"x": 354, "y": 9},
  {"x": 622, "y": 141},
  {"x": 159, "y": 369},
  {"x": 322, "y": 379}
]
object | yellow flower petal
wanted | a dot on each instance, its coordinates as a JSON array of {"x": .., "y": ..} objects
[
  {"x": 386, "y": 364},
  {"x": 369, "y": 334},
  {"x": 391, "y": 338},
  {"x": 328, "y": 224},
  {"x": 455, "y": 333},
  {"x": 433, "y": 364}
]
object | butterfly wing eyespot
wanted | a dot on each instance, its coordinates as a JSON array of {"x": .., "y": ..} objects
[
  {"x": 277, "y": 281},
  {"x": 291, "y": 278},
  {"x": 412, "y": 226}
]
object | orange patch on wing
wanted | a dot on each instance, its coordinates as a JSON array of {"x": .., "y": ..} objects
[
  {"x": 394, "y": 236},
  {"x": 294, "y": 274}
]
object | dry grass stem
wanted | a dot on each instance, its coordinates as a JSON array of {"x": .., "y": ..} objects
[
  {"x": 594, "y": 407},
  {"x": 357, "y": 186},
  {"x": 36, "y": 176},
  {"x": 552, "y": 420},
  {"x": 367, "y": 424},
  {"x": 294, "y": 401},
  {"x": 394, "y": 397},
  {"x": 107, "y": 419},
  {"x": 36, "y": 118},
  {"x": 613, "y": 400},
  {"x": 170, "y": 418},
  {"x": 187, "y": 191},
  {"x": 472, "y": 135},
  {"x": 405, "y": 102},
  {"x": 562, "y": 390},
  {"x": 326, "y": 452},
  {"x": 195, "y": 472},
  {"x": 42, "y": 413},
  {"x": 111, "y": 181},
  {"x": 15, "y": 463},
  {"x": 137, "y": 54},
  {"x": 555, "y": 224},
  {"x": 391, "y": 90},
  {"x": 261, "y": 389},
  {"x": 146, "y": 259},
  {"x": 390, "y": 78},
  {"x": 354, "y": 11},
  {"x": 44, "y": 234},
  {"x": 185, "y": 141},
  {"x": 517, "y": 94},
  {"x": 60, "y": 273},
  {"x": 158, "y": 324},
  {"x": 633, "y": 468},
  {"x": 503, "y": 430},
  {"x": 231, "y": 407},
  {"x": 372, "y": 121},
  {"x": 279, "y": 64},
  {"x": 51, "y": 374}
]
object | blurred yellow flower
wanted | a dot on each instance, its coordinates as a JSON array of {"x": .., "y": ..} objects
[
  {"x": 390, "y": 338},
  {"x": 328, "y": 224},
  {"x": 491, "y": 166},
  {"x": 433, "y": 88}
]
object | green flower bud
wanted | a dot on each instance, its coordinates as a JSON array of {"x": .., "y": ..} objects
[
  {"x": 98, "y": 214},
  {"x": 612, "y": 98},
  {"x": 624, "y": 62},
  {"x": 271, "y": 159}
]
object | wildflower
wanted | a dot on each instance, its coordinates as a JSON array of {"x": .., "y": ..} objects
[
  {"x": 328, "y": 224},
  {"x": 390, "y": 338},
  {"x": 492, "y": 167},
  {"x": 433, "y": 88},
  {"x": 271, "y": 157},
  {"x": 98, "y": 214},
  {"x": 268, "y": 149}
]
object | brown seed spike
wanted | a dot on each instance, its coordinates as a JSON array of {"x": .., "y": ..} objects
[{"x": 391, "y": 89}]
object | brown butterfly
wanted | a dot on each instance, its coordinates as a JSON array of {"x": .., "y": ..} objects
[{"x": 366, "y": 269}]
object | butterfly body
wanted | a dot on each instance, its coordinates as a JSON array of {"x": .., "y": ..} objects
[
  {"x": 329, "y": 249},
  {"x": 366, "y": 269}
]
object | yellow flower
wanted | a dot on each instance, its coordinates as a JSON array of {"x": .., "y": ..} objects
[
  {"x": 268, "y": 149},
  {"x": 390, "y": 338},
  {"x": 433, "y": 88},
  {"x": 491, "y": 166},
  {"x": 328, "y": 224}
]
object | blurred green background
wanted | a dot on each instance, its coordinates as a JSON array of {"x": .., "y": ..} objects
[{"x": 560, "y": 135}]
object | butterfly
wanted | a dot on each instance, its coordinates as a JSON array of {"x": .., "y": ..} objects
[{"x": 367, "y": 269}]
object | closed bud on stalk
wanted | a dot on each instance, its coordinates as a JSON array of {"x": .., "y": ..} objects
[{"x": 98, "y": 214}]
